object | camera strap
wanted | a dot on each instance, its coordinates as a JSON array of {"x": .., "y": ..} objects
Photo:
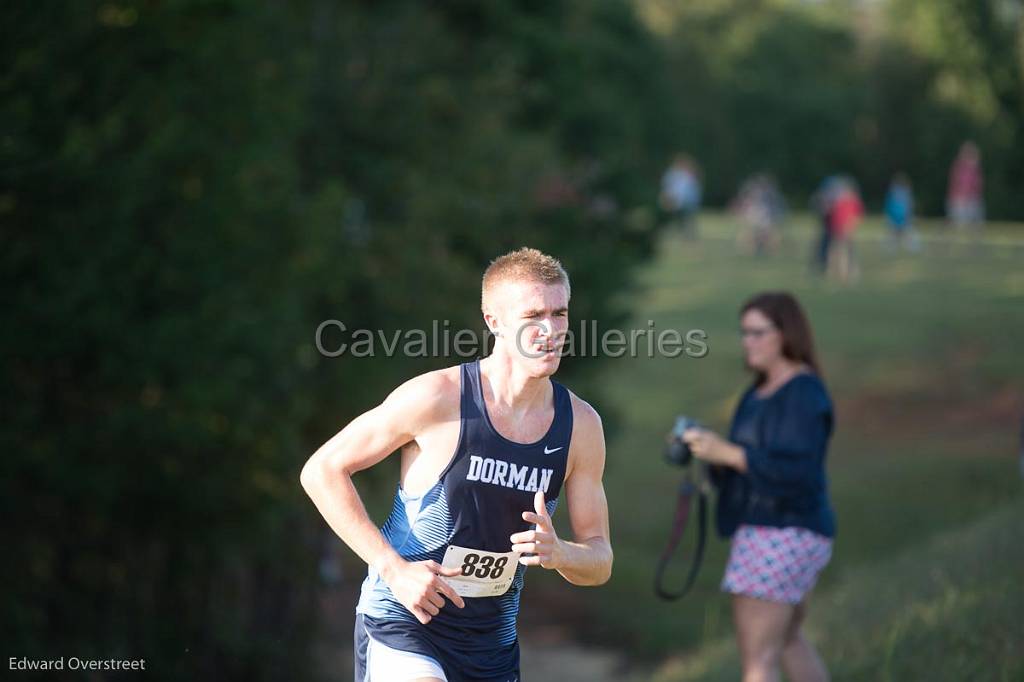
[{"x": 687, "y": 490}]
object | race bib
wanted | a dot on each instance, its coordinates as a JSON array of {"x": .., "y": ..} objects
[{"x": 483, "y": 574}]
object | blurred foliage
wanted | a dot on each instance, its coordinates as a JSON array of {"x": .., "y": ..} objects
[{"x": 188, "y": 189}]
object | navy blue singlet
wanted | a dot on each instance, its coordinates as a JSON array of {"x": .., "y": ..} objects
[{"x": 476, "y": 503}]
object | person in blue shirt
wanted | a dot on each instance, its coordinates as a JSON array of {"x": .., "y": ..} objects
[
  {"x": 773, "y": 492},
  {"x": 899, "y": 213},
  {"x": 681, "y": 194}
]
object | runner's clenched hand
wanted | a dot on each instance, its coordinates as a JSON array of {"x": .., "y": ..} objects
[
  {"x": 542, "y": 541},
  {"x": 420, "y": 587}
]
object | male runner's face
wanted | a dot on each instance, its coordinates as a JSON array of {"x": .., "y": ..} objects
[{"x": 533, "y": 320}]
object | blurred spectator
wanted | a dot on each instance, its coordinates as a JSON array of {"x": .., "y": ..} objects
[
  {"x": 761, "y": 208},
  {"x": 821, "y": 202},
  {"x": 964, "y": 204},
  {"x": 844, "y": 218},
  {"x": 681, "y": 194},
  {"x": 899, "y": 213},
  {"x": 1022, "y": 448},
  {"x": 773, "y": 500}
]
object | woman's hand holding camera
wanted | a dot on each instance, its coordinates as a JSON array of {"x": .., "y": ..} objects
[{"x": 713, "y": 449}]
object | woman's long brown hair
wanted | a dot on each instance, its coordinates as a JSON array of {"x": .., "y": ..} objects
[{"x": 788, "y": 316}]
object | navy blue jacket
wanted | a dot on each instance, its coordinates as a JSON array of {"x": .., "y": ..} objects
[{"x": 785, "y": 436}]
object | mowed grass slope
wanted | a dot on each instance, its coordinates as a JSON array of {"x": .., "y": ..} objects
[{"x": 922, "y": 358}]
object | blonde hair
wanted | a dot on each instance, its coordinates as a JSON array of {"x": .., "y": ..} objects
[{"x": 523, "y": 264}]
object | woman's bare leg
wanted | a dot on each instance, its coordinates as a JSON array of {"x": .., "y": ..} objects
[
  {"x": 761, "y": 628},
  {"x": 800, "y": 660}
]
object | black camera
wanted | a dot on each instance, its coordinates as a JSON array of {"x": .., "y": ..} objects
[
  {"x": 693, "y": 492},
  {"x": 678, "y": 452}
]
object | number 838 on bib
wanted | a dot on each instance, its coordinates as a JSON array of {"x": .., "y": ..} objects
[{"x": 483, "y": 574}]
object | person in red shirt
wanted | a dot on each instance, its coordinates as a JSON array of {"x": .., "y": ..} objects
[
  {"x": 964, "y": 203},
  {"x": 847, "y": 212}
]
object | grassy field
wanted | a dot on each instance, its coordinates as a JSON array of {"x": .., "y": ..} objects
[{"x": 922, "y": 357}]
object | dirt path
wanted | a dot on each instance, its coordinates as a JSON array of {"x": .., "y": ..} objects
[
  {"x": 569, "y": 662},
  {"x": 556, "y": 658}
]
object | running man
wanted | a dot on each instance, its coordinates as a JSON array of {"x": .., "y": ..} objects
[{"x": 487, "y": 450}]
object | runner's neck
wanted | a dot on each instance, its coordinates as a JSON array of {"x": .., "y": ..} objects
[{"x": 513, "y": 390}]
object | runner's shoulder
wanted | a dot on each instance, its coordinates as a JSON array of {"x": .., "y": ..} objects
[
  {"x": 432, "y": 395},
  {"x": 586, "y": 422},
  {"x": 587, "y": 447}
]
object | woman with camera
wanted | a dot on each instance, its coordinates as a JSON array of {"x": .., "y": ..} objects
[{"x": 772, "y": 490}]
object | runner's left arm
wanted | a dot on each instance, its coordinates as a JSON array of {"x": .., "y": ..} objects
[{"x": 587, "y": 559}]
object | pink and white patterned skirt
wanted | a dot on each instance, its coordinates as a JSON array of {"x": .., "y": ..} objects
[{"x": 775, "y": 564}]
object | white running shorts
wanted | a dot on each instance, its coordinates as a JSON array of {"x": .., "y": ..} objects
[{"x": 384, "y": 664}]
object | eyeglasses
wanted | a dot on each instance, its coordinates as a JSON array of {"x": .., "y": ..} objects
[{"x": 755, "y": 333}]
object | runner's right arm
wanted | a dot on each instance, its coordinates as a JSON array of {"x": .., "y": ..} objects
[{"x": 368, "y": 439}]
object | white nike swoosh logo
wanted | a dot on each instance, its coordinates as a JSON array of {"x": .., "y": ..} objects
[{"x": 548, "y": 452}]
